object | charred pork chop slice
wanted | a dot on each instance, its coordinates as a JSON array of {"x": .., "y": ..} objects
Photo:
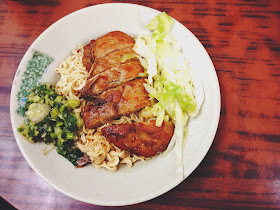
[
  {"x": 115, "y": 40},
  {"x": 99, "y": 113},
  {"x": 111, "y": 78},
  {"x": 114, "y": 94},
  {"x": 110, "y": 42},
  {"x": 126, "y": 98},
  {"x": 134, "y": 97},
  {"x": 87, "y": 56},
  {"x": 111, "y": 60},
  {"x": 143, "y": 139},
  {"x": 129, "y": 97}
]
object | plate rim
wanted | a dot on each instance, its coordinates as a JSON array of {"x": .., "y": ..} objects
[{"x": 144, "y": 198}]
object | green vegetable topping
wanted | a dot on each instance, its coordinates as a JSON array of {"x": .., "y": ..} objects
[
  {"x": 37, "y": 112},
  {"x": 50, "y": 118},
  {"x": 73, "y": 103},
  {"x": 35, "y": 69},
  {"x": 169, "y": 81}
]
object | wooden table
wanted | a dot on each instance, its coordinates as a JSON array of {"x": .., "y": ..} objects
[{"x": 242, "y": 168}]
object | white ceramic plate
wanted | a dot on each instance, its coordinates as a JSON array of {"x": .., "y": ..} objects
[{"x": 143, "y": 181}]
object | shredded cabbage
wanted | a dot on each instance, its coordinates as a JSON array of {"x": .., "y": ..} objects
[{"x": 169, "y": 81}]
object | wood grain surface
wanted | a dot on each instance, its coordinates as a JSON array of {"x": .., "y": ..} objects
[{"x": 242, "y": 167}]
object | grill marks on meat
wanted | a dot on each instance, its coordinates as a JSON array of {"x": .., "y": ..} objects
[
  {"x": 88, "y": 58},
  {"x": 110, "y": 42},
  {"x": 99, "y": 113},
  {"x": 119, "y": 101},
  {"x": 115, "y": 40},
  {"x": 111, "y": 81},
  {"x": 129, "y": 97},
  {"x": 106, "y": 69},
  {"x": 113, "y": 77},
  {"x": 134, "y": 97},
  {"x": 113, "y": 95},
  {"x": 109, "y": 61},
  {"x": 144, "y": 139}
]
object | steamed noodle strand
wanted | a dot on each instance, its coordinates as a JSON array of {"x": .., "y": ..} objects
[
  {"x": 91, "y": 141},
  {"x": 73, "y": 74}
]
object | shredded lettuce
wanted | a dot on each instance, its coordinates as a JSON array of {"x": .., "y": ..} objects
[{"x": 169, "y": 81}]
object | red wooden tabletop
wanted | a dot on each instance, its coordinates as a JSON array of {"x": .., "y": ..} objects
[{"x": 242, "y": 167}]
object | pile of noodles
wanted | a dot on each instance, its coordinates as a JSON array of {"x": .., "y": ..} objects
[{"x": 102, "y": 153}]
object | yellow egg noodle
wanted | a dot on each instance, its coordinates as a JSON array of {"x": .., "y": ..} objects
[
  {"x": 73, "y": 74},
  {"x": 91, "y": 141}
]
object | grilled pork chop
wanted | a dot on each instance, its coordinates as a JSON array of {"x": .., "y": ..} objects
[
  {"x": 118, "y": 92},
  {"x": 87, "y": 57},
  {"x": 119, "y": 101},
  {"x": 113, "y": 77},
  {"x": 144, "y": 139},
  {"x": 111, "y": 60},
  {"x": 129, "y": 97},
  {"x": 99, "y": 113},
  {"x": 102, "y": 59},
  {"x": 115, "y": 40}
]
